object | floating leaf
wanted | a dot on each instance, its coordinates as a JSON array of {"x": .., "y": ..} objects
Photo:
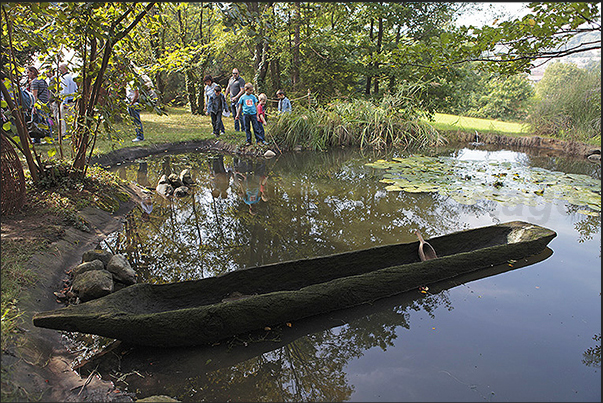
[{"x": 508, "y": 183}]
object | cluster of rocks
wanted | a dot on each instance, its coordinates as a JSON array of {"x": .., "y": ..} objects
[
  {"x": 175, "y": 185},
  {"x": 99, "y": 274}
]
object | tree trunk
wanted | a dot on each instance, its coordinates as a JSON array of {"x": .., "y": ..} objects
[
  {"x": 392, "y": 77},
  {"x": 262, "y": 70},
  {"x": 189, "y": 81},
  {"x": 157, "y": 51},
  {"x": 376, "y": 63},
  {"x": 296, "y": 43},
  {"x": 368, "y": 75},
  {"x": 275, "y": 75}
]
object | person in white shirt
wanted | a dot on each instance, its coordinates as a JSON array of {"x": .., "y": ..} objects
[
  {"x": 133, "y": 95},
  {"x": 68, "y": 90}
]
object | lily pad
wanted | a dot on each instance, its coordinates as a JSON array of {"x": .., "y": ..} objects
[{"x": 505, "y": 182}]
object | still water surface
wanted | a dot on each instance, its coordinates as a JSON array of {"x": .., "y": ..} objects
[{"x": 528, "y": 333}]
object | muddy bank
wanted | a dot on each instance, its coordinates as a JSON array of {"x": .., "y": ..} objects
[
  {"x": 37, "y": 366},
  {"x": 535, "y": 142}
]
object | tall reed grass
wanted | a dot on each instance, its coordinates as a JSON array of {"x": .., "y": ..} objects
[
  {"x": 571, "y": 111},
  {"x": 394, "y": 120}
]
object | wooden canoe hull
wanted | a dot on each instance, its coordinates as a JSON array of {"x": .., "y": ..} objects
[{"x": 193, "y": 313}]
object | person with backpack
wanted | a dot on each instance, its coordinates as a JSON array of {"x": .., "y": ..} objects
[{"x": 39, "y": 125}]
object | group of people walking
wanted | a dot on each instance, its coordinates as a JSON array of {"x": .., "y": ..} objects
[
  {"x": 248, "y": 111},
  {"x": 57, "y": 94}
]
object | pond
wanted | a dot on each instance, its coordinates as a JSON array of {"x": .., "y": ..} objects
[{"x": 525, "y": 333}]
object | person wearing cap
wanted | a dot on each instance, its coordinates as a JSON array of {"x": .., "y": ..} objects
[{"x": 216, "y": 104}]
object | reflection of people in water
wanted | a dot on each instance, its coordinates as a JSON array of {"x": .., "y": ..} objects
[
  {"x": 250, "y": 182},
  {"x": 147, "y": 207},
  {"x": 141, "y": 176},
  {"x": 220, "y": 177}
]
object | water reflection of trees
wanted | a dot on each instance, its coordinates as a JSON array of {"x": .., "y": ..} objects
[
  {"x": 304, "y": 362},
  {"x": 592, "y": 356},
  {"x": 318, "y": 203}
]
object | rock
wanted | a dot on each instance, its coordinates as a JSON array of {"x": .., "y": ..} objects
[
  {"x": 157, "y": 398},
  {"x": 165, "y": 189},
  {"x": 269, "y": 154},
  {"x": 163, "y": 179},
  {"x": 100, "y": 254},
  {"x": 88, "y": 266},
  {"x": 121, "y": 270},
  {"x": 186, "y": 178},
  {"x": 93, "y": 284},
  {"x": 174, "y": 180},
  {"x": 594, "y": 156},
  {"x": 181, "y": 191}
]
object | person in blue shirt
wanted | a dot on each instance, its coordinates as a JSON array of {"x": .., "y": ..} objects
[
  {"x": 247, "y": 107},
  {"x": 284, "y": 105}
]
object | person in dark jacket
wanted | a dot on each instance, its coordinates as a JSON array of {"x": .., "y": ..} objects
[{"x": 215, "y": 106}]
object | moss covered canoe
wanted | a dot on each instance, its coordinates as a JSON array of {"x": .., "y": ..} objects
[{"x": 205, "y": 311}]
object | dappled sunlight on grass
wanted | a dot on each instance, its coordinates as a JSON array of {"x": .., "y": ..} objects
[{"x": 177, "y": 126}]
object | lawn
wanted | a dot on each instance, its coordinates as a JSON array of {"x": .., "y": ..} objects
[
  {"x": 447, "y": 122},
  {"x": 177, "y": 126}
]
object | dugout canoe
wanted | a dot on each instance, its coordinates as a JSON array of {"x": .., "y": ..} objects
[{"x": 208, "y": 310}]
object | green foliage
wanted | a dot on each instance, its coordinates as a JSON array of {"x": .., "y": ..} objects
[
  {"x": 394, "y": 120},
  {"x": 511, "y": 46},
  {"x": 568, "y": 103},
  {"x": 504, "y": 98}
]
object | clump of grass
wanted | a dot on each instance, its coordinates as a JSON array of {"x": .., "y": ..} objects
[{"x": 395, "y": 120}]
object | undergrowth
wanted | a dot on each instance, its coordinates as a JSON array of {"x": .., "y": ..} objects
[
  {"x": 63, "y": 194},
  {"x": 394, "y": 120}
]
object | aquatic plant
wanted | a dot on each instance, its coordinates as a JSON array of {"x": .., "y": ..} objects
[
  {"x": 394, "y": 120},
  {"x": 504, "y": 182}
]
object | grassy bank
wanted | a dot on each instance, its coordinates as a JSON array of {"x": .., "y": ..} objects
[{"x": 177, "y": 126}]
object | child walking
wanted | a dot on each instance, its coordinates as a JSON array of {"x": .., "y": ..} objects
[
  {"x": 216, "y": 104},
  {"x": 247, "y": 106}
]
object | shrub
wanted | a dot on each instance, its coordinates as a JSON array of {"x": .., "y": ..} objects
[{"x": 568, "y": 103}]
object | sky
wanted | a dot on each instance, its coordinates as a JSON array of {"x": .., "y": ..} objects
[{"x": 492, "y": 11}]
